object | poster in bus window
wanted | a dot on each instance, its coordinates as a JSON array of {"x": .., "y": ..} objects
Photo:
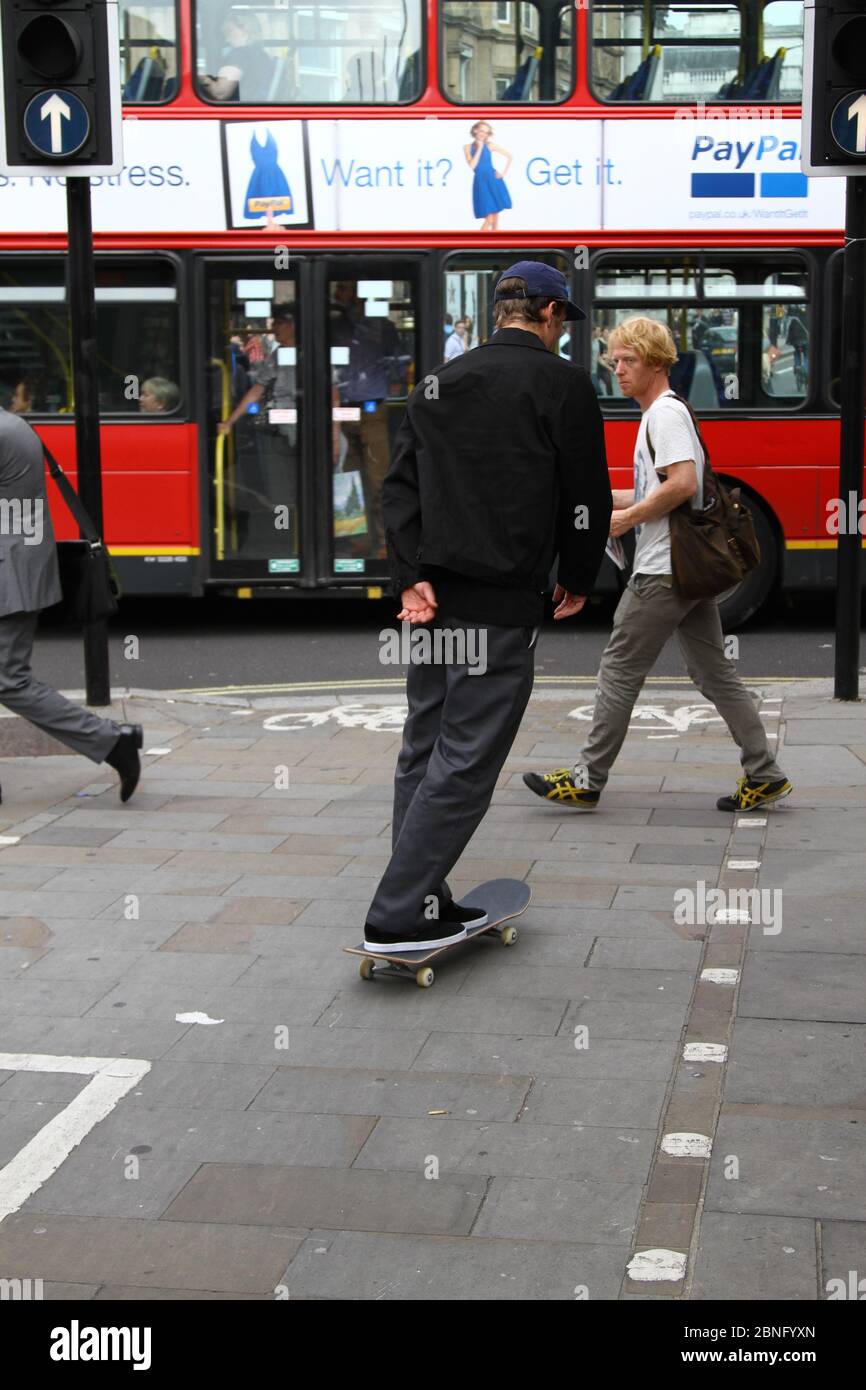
[
  {"x": 268, "y": 183},
  {"x": 456, "y": 174}
]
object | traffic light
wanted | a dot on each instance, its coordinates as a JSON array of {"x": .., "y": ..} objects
[
  {"x": 60, "y": 87},
  {"x": 834, "y": 87}
]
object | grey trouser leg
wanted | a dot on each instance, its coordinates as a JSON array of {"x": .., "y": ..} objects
[
  {"x": 457, "y": 736},
  {"x": 649, "y": 612},
  {"x": 80, "y": 729}
]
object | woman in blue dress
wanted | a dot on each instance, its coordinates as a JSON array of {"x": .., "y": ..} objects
[{"x": 489, "y": 192}]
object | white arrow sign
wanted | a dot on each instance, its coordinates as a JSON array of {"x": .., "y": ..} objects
[
  {"x": 56, "y": 110},
  {"x": 857, "y": 110}
]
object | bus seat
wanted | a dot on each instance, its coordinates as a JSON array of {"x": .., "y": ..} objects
[
  {"x": 771, "y": 79},
  {"x": 636, "y": 87},
  {"x": 276, "y": 78},
  {"x": 147, "y": 81},
  {"x": 520, "y": 86}
]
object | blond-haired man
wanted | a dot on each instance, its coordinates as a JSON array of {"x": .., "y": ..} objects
[{"x": 668, "y": 470}]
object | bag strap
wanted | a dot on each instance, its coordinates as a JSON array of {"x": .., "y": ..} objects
[
  {"x": 69, "y": 495},
  {"x": 709, "y": 471}
]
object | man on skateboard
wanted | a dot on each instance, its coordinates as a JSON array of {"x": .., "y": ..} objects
[{"x": 499, "y": 465}]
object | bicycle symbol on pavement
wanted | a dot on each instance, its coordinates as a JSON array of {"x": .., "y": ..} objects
[
  {"x": 389, "y": 719},
  {"x": 657, "y": 717},
  {"x": 377, "y": 719}
]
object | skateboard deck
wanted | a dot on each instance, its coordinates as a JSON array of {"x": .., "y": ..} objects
[{"x": 503, "y": 899}]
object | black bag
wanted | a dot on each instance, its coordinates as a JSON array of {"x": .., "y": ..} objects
[
  {"x": 715, "y": 546},
  {"x": 91, "y": 587}
]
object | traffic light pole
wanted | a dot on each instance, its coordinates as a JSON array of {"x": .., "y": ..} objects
[
  {"x": 853, "y": 387},
  {"x": 82, "y": 307}
]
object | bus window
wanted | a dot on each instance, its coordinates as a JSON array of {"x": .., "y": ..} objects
[
  {"x": 469, "y": 284},
  {"x": 742, "y": 333},
  {"x": 505, "y": 51},
  {"x": 309, "y": 52},
  {"x": 137, "y": 337},
  {"x": 35, "y": 361},
  {"x": 685, "y": 53},
  {"x": 148, "y": 51}
]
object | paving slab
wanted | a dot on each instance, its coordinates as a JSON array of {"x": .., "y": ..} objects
[
  {"x": 387, "y": 1268},
  {"x": 272, "y": 1196}
]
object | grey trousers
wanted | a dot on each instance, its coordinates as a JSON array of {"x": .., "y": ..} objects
[
  {"x": 648, "y": 613},
  {"x": 80, "y": 729},
  {"x": 457, "y": 735}
]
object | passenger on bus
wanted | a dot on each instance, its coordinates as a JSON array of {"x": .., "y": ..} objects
[
  {"x": 273, "y": 378},
  {"x": 158, "y": 395},
  {"x": 457, "y": 342},
  {"x": 247, "y": 70},
  {"x": 26, "y": 396},
  {"x": 366, "y": 382}
]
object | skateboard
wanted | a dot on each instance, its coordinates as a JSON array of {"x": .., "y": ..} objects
[{"x": 503, "y": 899}]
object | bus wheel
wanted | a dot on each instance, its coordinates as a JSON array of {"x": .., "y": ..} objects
[{"x": 738, "y": 604}]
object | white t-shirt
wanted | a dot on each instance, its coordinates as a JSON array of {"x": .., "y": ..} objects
[
  {"x": 454, "y": 346},
  {"x": 674, "y": 441}
]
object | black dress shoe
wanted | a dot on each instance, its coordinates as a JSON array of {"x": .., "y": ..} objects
[{"x": 125, "y": 760}]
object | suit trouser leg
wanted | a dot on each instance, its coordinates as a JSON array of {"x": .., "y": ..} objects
[
  {"x": 702, "y": 644},
  {"x": 80, "y": 729},
  {"x": 425, "y": 692},
  {"x": 478, "y": 717}
]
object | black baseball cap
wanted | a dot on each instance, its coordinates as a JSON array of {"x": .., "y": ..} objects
[{"x": 543, "y": 282}]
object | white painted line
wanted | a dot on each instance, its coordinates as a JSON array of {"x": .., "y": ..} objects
[
  {"x": 705, "y": 1052},
  {"x": 196, "y": 1018},
  {"x": 729, "y": 916},
  {"x": 42, "y": 1156},
  {"x": 651, "y": 1265},
  {"x": 662, "y": 736},
  {"x": 743, "y": 864},
  {"x": 747, "y": 824},
  {"x": 158, "y": 752},
  {"x": 10, "y": 839},
  {"x": 720, "y": 977},
  {"x": 687, "y": 1145}
]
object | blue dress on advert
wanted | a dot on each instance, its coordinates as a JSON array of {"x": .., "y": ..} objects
[
  {"x": 268, "y": 186},
  {"x": 489, "y": 194}
]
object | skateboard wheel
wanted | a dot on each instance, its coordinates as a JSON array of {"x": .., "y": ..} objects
[
  {"x": 508, "y": 936},
  {"x": 424, "y": 977},
  {"x": 365, "y": 969}
]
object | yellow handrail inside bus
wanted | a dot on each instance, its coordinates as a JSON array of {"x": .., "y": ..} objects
[
  {"x": 220, "y": 456},
  {"x": 219, "y": 502}
]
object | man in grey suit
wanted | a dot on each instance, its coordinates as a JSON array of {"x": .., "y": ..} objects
[{"x": 29, "y": 581}]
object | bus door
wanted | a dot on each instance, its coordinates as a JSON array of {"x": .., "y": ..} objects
[
  {"x": 254, "y": 418},
  {"x": 370, "y": 338}
]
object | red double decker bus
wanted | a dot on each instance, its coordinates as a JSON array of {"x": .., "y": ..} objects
[{"x": 316, "y": 201}]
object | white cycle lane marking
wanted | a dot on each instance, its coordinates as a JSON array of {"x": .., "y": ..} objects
[
  {"x": 33, "y": 1165},
  {"x": 656, "y": 716},
  {"x": 389, "y": 719}
]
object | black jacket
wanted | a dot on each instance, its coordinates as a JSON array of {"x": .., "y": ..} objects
[{"x": 496, "y": 451}]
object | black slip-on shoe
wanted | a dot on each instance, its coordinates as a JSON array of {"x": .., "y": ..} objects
[
  {"x": 427, "y": 938},
  {"x": 125, "y": 760},
  {"x": 559, "y": 785},
  {"x": 463, "y": 916},
  {"x": 751, "y": 795}
]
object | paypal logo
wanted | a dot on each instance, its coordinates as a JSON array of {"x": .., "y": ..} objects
[{"x": 734, "y": 179}]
